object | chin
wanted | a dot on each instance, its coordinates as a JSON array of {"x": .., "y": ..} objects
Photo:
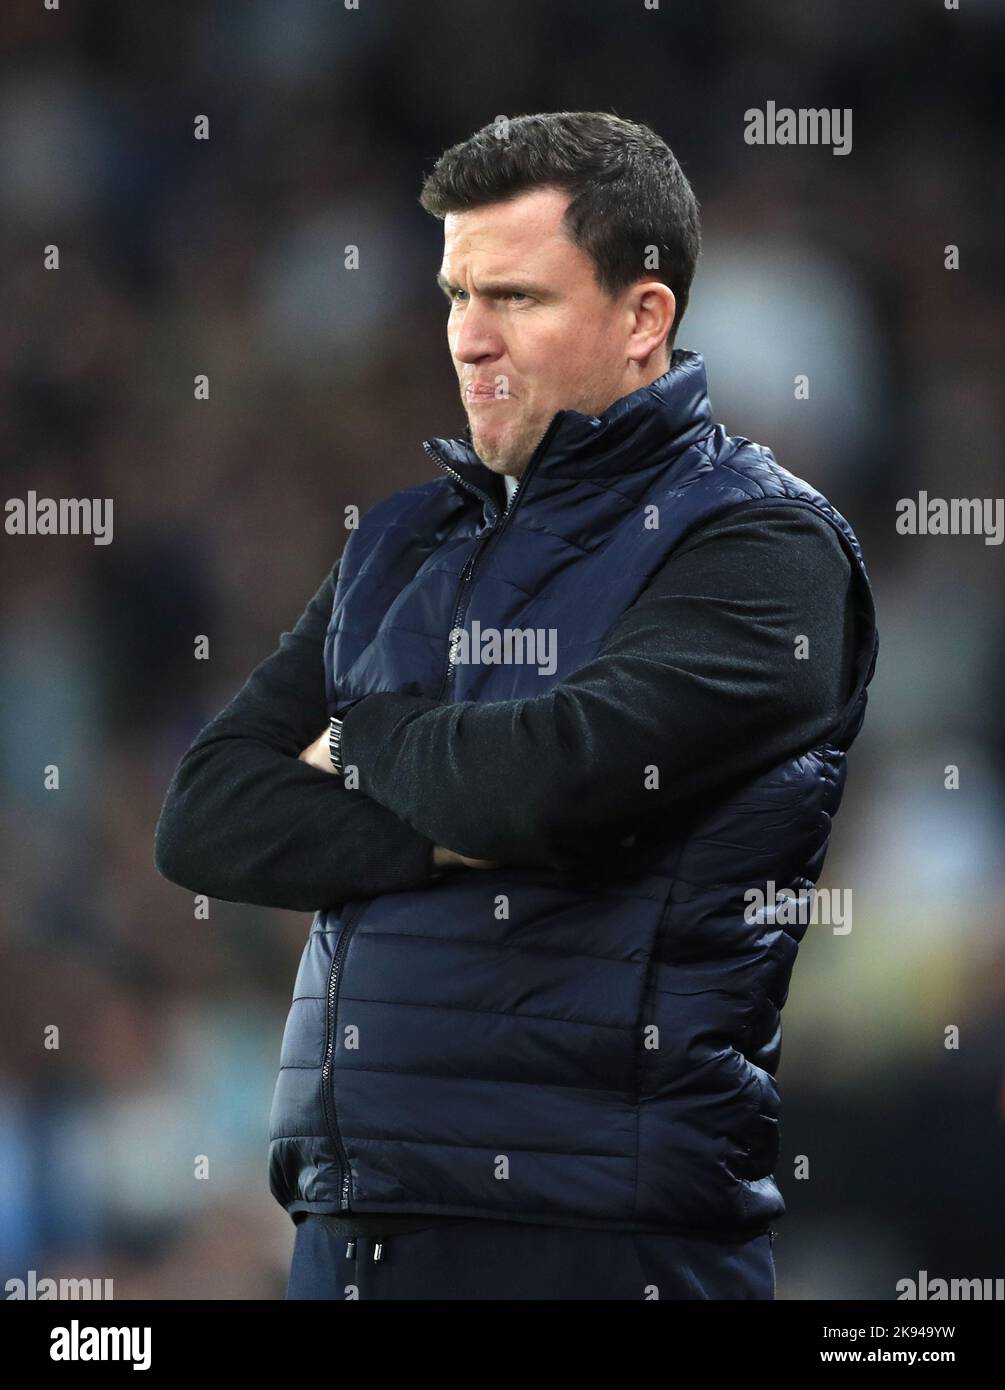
[{"x": 489, "y": 452}]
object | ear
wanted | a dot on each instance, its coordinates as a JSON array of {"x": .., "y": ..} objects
[{"x": 654, "y": 306}]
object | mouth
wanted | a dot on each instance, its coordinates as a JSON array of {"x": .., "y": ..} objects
[{"x": 478, "y": 395}]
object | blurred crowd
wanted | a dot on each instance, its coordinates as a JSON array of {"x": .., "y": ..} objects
[{"x": 225, "y": 257}]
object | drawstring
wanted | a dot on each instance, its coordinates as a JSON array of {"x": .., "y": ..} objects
[{"x": 378, "y": 1249}]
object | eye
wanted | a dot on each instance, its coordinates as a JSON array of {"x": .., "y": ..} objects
[{"x": 518, "y": 295}]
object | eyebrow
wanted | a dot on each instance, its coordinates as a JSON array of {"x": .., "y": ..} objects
[{"x": 494, "y": 287}]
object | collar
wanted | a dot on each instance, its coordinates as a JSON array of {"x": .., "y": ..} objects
[{"x": 647, "y": 427}]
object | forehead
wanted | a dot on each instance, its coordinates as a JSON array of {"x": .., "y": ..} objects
[{"x": 527, "y": 228}]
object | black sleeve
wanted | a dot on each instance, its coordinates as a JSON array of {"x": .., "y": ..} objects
[
  {"x": 246, "y": 821},
  {"x": 701, "y": 678}
]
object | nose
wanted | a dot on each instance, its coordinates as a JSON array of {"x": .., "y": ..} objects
[{"x": 473, "y": 336}]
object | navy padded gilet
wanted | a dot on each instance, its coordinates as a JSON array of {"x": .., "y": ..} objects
[{"x": 519, "y": 1043}]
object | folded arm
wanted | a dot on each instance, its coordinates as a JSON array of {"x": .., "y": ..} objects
[
  {"x": 246, "y": 821},
  {"x": 700, "y": 680}
]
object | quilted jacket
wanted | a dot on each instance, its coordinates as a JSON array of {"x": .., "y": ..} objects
[{"x": 586, "y": 1048}]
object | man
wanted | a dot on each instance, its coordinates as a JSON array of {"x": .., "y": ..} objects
[{"x": 549, "y": 720}]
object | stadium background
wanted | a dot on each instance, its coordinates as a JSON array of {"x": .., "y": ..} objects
[{"x": 226, "y": 257}]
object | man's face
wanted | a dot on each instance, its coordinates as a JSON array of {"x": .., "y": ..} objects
[{"x": 528, "y": 325}]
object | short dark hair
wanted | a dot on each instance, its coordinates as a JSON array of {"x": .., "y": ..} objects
[{"x": 627, "y": 191}]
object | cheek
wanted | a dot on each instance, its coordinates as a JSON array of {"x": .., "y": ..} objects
[
  {"x": 576, "y": 362},
  {"x": 588, "y": 341}
]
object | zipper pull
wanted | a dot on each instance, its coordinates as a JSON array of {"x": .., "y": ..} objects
[
  {"x": 350, "y": 1250},
  {"x": 378, "y": 1251}
]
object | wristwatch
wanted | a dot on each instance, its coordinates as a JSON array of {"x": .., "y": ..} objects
[{"x": 335, "y": 744}]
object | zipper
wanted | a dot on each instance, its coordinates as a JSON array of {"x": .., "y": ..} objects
[
  {"x": 461, "y": 605},
  {"x": 491, "y": 531},
  {"x": 327, "y": 1075},
  {"x": 472, "y": 487}
]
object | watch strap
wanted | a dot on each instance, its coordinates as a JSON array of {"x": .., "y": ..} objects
[{"x": 335, "y": 744}]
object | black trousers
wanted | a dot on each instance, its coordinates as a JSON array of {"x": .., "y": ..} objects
[{"x": 507, "y": 1260}]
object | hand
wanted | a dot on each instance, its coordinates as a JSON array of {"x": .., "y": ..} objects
[
  {"x": 444, "y": 858},
  {"x": 317, "y": 754}
]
